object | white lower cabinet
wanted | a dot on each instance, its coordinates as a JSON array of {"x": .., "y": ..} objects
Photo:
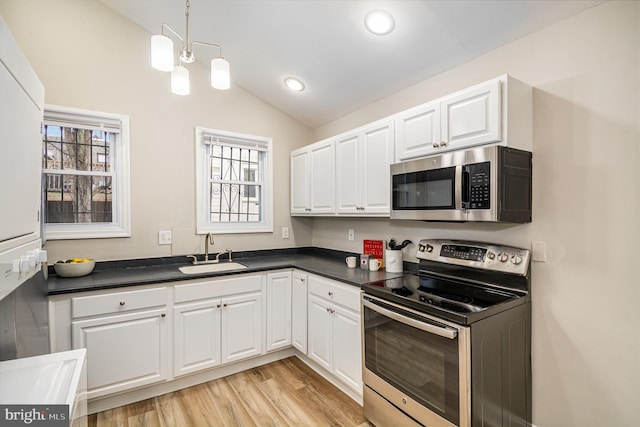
[
  {"x": 125, "y": 349},
  {"x": 216, "y": 322},
  {"x": 152, "y": 335},
  {"x": 196, "y": 332},
  {"x": 299, "y": 311},
  {"x": 278, "y": 322},
  {"x": 334, "y": 329}
]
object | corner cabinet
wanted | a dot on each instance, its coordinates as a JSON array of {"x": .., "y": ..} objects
[
  {"x": 362, "y": 170},
  {"x": 334, "y": 335},
  {"x": 278, "y": 296},
  {"x": 299, "y": 311},
  {"x": 126, "y": 335},
  {"x": 312, "y": 179},
  {"x": 496, "y": 111}
]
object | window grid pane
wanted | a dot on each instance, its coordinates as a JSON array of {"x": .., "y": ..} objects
[
  {"x": 230, "y": 198},
  {"x": 80, "y": 192}
]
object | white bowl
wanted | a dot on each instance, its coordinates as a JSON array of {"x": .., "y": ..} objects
[{"x": 74, "y": 270}]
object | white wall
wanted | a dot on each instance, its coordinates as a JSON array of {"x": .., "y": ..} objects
[
  {"x": 91, "y": 58},
  {"x": 586, "y": 77}
]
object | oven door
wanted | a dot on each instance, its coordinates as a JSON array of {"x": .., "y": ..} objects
[
  {"x": 418, "y": 363},
  {"x": 429, "y": 189}
]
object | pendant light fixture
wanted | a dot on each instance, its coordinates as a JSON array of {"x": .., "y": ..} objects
[{"x": 162, "y": 59}]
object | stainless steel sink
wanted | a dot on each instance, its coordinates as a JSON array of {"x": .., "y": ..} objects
[{"x": 212, "y": 268}]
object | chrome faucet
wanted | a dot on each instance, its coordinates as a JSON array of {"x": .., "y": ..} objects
[{"x": 208, "y": 240}]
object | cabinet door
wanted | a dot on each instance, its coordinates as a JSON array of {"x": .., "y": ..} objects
[
  {"x": 278, "y": 310},
  {"x": 472, "y": 117},
  {"x": 320, "y": 340},
  {"x": 348, "y": 174},
  {"x": 300, "y": 178},
  {"x": 322, "y": 167},
  {"x": 376, "y": 151},
  {"x": 241, "y": 327},
  {"x": 417, "y": 130},
  {"x": 347, "y": 347},
  {"x": 299, "y": 312},
  {"x": 123, "y": 351},
  {"x": 196, "y": 336}
]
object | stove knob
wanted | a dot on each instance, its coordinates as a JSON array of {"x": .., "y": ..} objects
[
  {"x": 421, "y": 248},
  {"x": 491, "y": 255},
  {"x": 503, "y": 257},
  {"x": 516, "y": 259},
  {"x": 429, "y": 248}
]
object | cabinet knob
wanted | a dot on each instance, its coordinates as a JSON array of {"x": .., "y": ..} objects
[
  {"x": 224, "y": 305},
  {"x": 218, "y": 306},
  {"x": 122, "y": 303},
  {"x": 330, "y": 293},
  {"x": 163, "y": 315},
  {"x": 443, "y": 144},
  {"x": 436, "y": 145}
]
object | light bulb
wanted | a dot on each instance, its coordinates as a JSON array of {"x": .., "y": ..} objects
[
  {"x": 161, "y": 53},
  {"x": 379, "y": 22},
  {"x": 180, "y": 80},
  {"x": 220, "y": 75}
]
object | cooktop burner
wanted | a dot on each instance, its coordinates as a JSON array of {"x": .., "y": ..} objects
[
  {"x": 442, "y": 296},
  {"x": 461, "y": 281}
]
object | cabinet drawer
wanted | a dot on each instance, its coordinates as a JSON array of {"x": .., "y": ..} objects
[
  {"x": 217, "y": 288},
  {"x": 346, "y": 295},
  {"x": 117, "y": 302}
]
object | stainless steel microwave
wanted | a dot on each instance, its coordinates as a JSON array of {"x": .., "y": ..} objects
[{"x": 491, "y": 184}]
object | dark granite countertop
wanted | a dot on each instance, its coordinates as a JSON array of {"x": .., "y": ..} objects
[{"x": 119, "y": 274}]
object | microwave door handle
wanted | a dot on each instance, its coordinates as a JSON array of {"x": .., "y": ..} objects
[
  {"x": 466, "y": 188},
  {"x": 459, "y": 187},
  {"x": 427, "y": 327}
]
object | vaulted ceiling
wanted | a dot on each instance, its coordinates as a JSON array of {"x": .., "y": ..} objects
[{"x": 326, "y": 45}]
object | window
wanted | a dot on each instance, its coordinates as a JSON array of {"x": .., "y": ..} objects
[
  {"x": 233, "y": 182},
  {"x": 85, "y": 164}
]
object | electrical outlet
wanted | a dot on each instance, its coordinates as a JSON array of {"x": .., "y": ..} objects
[
  {"x": 164, "y": 237},
  {"x": 352, "y": 235},
  {"x": 285, "y": 232},
  {"x": 539, "y": 251}
]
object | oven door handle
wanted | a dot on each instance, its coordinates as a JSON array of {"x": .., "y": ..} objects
[{"x": 427, "y": 327}]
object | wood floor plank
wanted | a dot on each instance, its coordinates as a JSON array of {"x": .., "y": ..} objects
[{"x": 283, "y": 393}]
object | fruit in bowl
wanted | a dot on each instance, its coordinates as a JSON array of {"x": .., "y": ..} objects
[{"x": 74, "y": 267}]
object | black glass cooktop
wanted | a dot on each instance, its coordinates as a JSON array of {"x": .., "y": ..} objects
[{"x": 435, "y": 294}]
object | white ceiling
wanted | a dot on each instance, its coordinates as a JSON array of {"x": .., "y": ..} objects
[{"x": 325, "y": 44}]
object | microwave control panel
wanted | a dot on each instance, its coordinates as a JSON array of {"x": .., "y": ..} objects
[{"x": 479, "y": 185}]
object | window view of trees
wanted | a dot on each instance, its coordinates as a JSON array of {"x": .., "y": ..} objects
[{"x": 78, "y": 175}]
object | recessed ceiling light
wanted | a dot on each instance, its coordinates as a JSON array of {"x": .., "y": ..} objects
[
  {"x": 294, "y": 84},
  {"x": 379, "y": 22}
]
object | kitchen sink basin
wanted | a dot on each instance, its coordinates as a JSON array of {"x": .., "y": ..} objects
[{"x": 212, "y": 268}]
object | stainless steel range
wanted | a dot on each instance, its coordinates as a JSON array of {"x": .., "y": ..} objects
[{"x": 451, "y": 345}]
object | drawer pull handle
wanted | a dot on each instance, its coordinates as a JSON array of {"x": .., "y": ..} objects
[
  {"x": 122, "y": 303},
  {"x": 163, "y": 315}
]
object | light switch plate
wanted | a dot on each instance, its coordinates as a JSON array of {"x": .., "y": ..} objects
[
  {"x": 351, "y": 234},
  {"x": 164, "y": 237},
  {"x": 285, "y": 232}
]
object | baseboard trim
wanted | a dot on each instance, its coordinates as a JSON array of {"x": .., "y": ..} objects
[{"x": 329, "y": 377}]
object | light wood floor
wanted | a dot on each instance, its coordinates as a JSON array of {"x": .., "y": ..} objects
[{"x": 283, "y": 393}]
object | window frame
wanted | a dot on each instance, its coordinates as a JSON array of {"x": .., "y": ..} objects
[
  {"x": 203, "y": 223},
  {"x": 120, "y": 226}
]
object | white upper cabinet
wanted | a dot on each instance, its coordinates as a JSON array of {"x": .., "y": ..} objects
[
  {"x": 418, "y": 131},
  {"x": 496, "y": 111},
  {"x": 362, "y": 170},
  {"x": 312, "y": 179}
]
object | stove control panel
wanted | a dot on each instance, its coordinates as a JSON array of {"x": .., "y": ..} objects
[{"x": 488, "y": 256}]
